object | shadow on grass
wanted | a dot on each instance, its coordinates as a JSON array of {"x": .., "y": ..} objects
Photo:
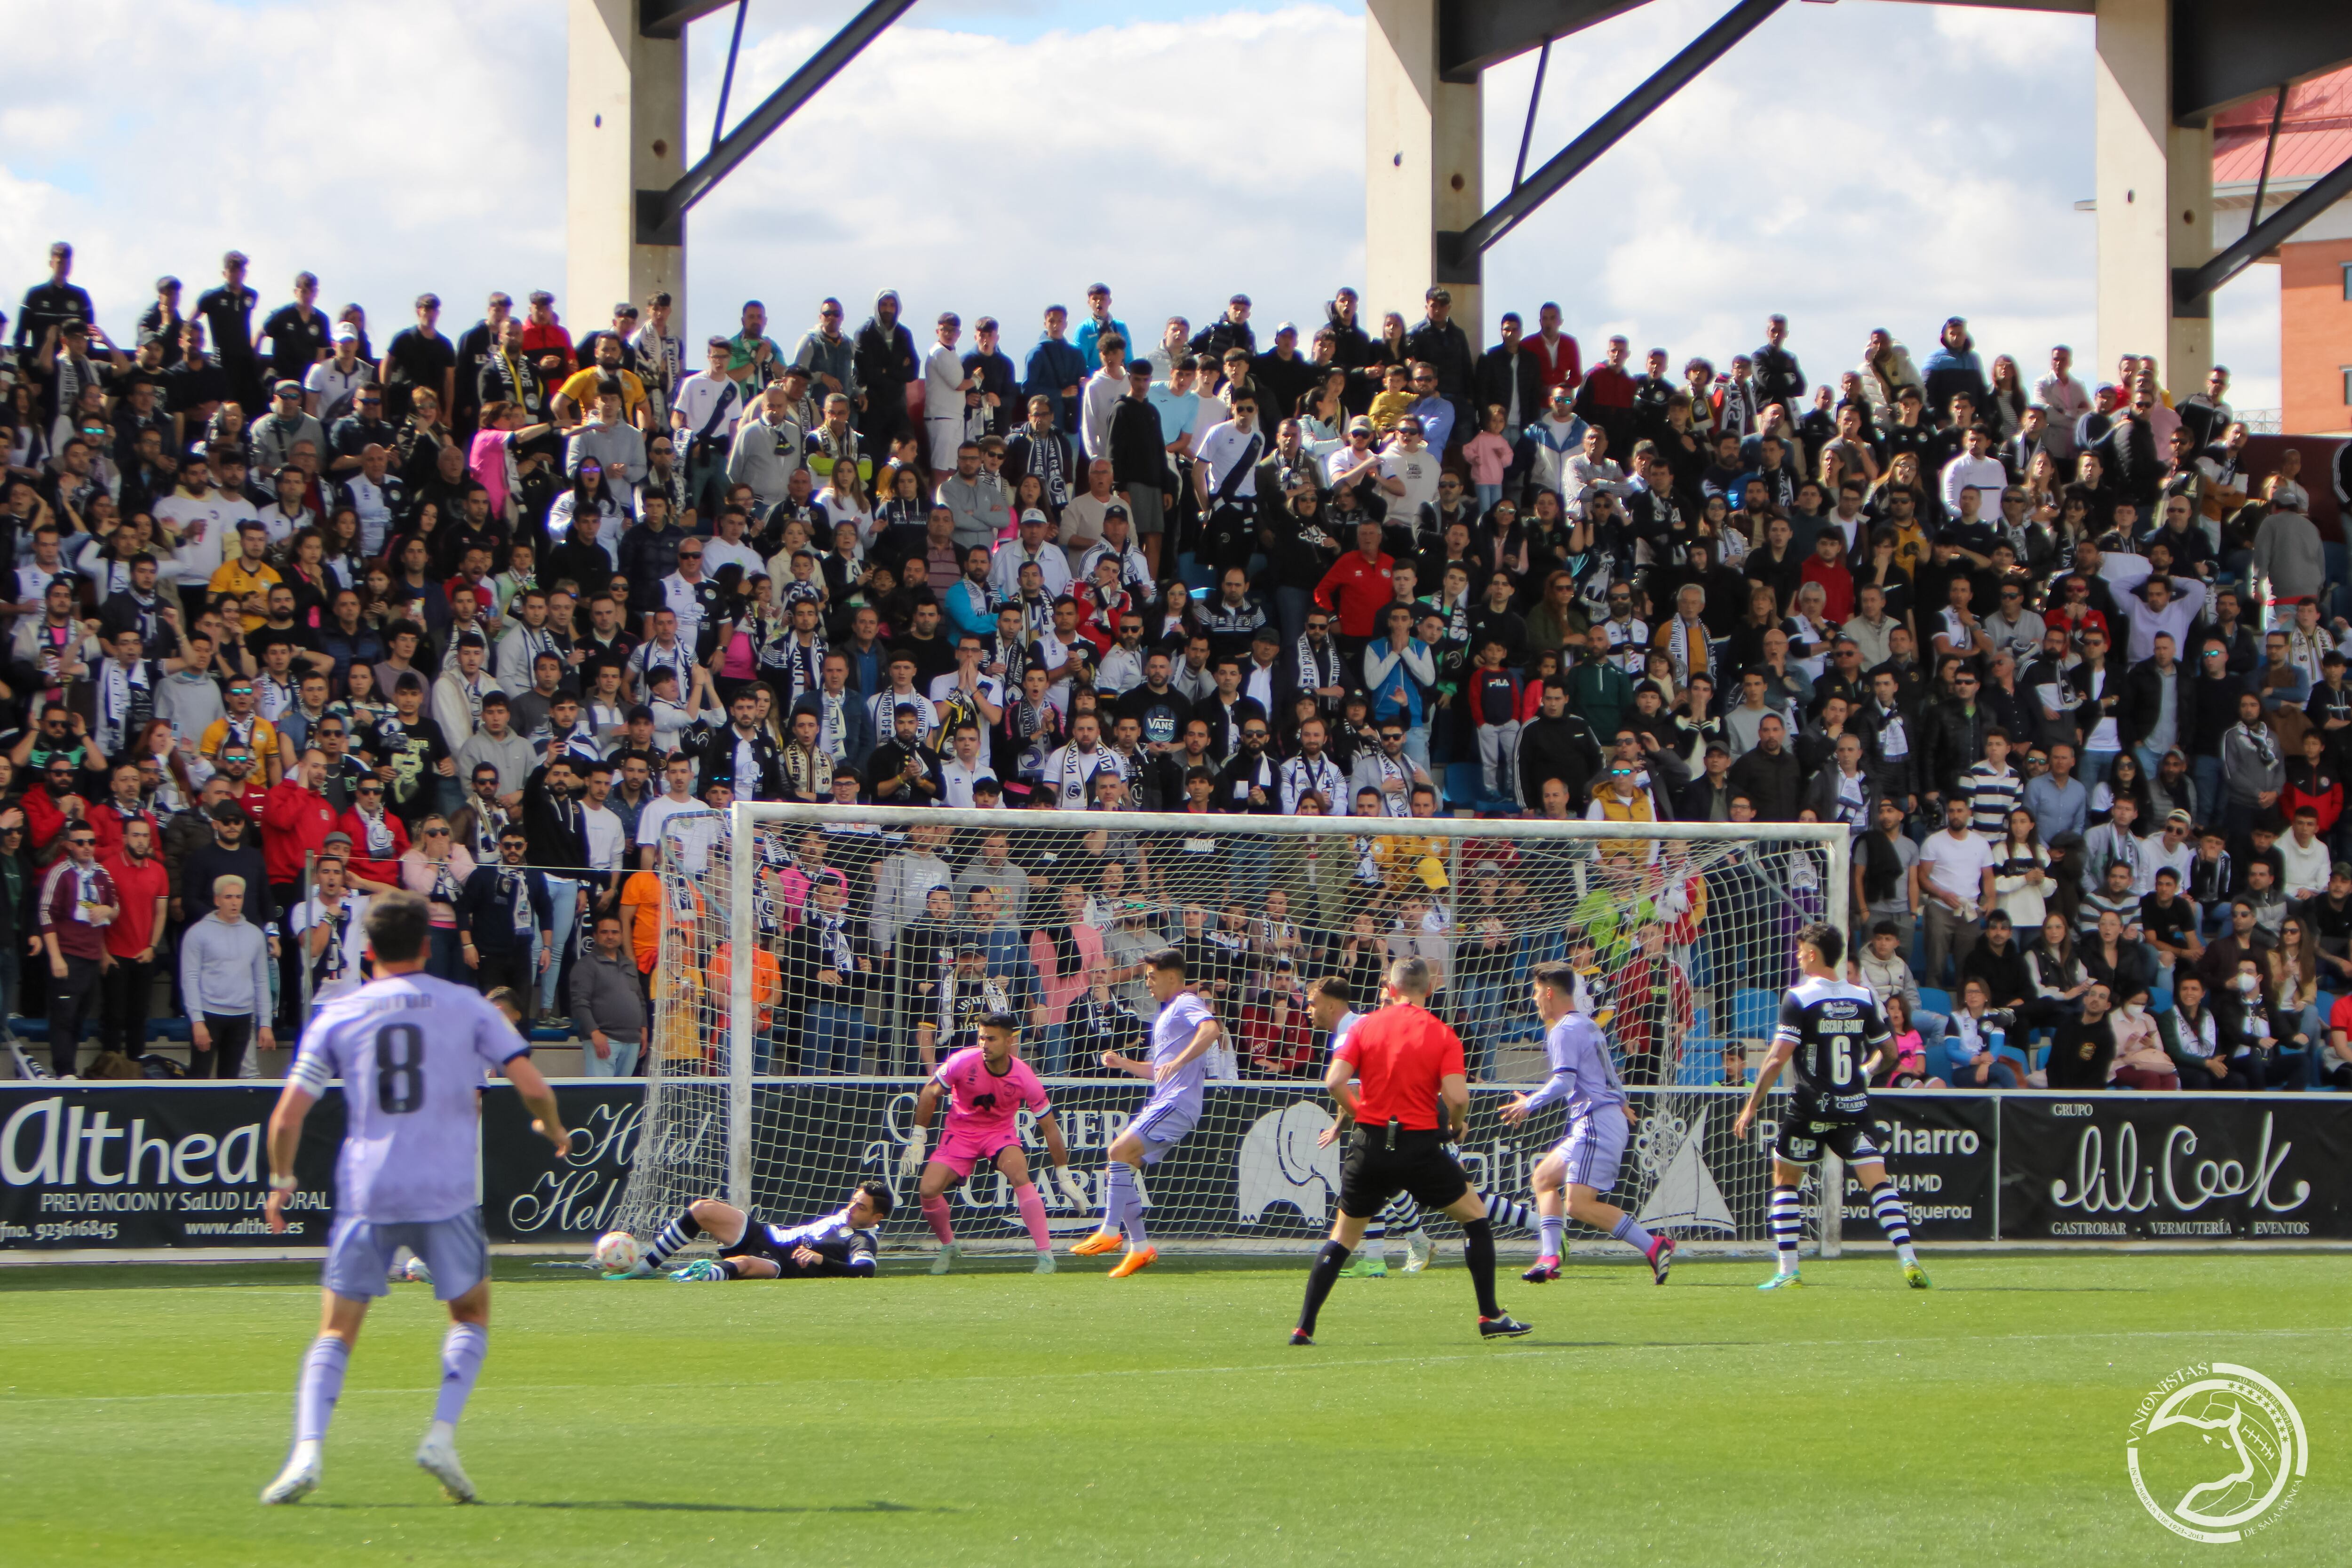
[{"x": 640, "y": 1505}]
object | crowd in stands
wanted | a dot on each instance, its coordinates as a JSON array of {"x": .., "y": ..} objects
[{"x": 296, "y": 618}]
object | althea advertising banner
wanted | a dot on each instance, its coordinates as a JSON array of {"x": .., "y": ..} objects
[
  {"x": 150, "y": 1164},
  {"x": 2175, "y": 1167}
]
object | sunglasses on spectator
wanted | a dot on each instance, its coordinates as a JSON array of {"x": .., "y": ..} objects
[
  {"x": 437, "y": 833},
  {"x": 689, "y": 555}
]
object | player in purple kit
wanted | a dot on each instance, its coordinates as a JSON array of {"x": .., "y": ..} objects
[
  {"x": 1584, "y": 1164},
  {"x": 1181, "y": 1037},
  {"x": 985, "y": 1086},
  {"x": 411, "y": 1052}
]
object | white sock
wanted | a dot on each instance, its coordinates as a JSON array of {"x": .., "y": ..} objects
[
  {"x": 1910, "y": 1258},
  {"x": 444, "y": 1432},
  {"x": 306, "y": 1453}
]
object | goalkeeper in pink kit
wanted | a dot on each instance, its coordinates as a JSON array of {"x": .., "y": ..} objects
[{"x": 986, "y": 1087}]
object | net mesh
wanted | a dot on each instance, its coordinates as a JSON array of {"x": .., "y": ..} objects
[{"x": 879, "y": 937}]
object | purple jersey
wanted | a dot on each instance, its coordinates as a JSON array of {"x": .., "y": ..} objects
[
  {"x": 412, "y": 1051},
  {"x": 1582, "y": 1072},
  {"x": 985, "y": 1104},
  {"x": 1173, "y": 1030}
]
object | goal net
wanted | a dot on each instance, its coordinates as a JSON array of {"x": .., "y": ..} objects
[{"x": 878, "y": 935}]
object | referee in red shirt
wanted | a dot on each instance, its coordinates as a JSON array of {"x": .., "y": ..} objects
[{"x": 1408, "y": 1063}]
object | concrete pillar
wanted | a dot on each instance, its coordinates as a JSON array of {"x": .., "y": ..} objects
[
  {"x": 1421, "y": 156},
  {"x": 2155, "y": 188},
  {"x": 625, "y": 130}
]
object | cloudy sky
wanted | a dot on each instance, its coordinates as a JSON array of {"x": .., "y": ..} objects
[{"x": 1852, "y": 165}]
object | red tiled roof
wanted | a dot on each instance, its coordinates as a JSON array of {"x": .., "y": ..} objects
[{"x": 2314, "y": 136}]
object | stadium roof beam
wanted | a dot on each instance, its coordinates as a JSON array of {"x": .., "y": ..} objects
[
  {"x": 661, "y": 214},
  {"x": 2193, "y": 286},
  {"x": 668, "y": 18},
  {"x": 2226, "y": 51},
  {"x": 1461, "y": 249}
]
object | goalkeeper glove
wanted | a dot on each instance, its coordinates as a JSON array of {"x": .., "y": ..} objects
[
  {"x": 1072, "y": 1187},
  {"x": 910, "y": 1158}
]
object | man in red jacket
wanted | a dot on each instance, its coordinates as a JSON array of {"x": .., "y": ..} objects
[
  {"x": 52, "y": 805},
  {"x": 378, "y": 838},
  {"x": 1357, "y": 589},
  {"x": 143, "y": 895},
  {"x": 120, "y": 810},
  {"x": 295, "y": 821}
]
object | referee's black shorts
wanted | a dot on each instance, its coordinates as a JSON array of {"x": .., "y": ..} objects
[{"x": 1373, "y": 1171}]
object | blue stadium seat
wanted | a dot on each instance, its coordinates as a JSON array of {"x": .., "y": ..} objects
[
  {"x": 1753, "y": 1014},
  {"x": 1934, "y": 999},
  {"x": 1464, "y": 784}
]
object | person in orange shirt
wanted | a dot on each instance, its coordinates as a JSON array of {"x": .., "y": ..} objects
[{"x": 767, "y": 989}]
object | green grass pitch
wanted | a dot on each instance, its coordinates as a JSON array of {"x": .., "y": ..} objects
[{"x": 994, "y": 1417}]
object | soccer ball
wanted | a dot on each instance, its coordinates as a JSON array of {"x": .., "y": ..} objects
[
  {"x": 617, "y": 1252},
  {"x": 414, "y": 1272}
]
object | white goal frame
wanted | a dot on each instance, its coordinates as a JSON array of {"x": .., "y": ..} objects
[{"x": 745, "y": 817}]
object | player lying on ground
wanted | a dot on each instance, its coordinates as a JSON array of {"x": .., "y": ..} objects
[
  {"x": 1330, "y": 1005},
  {"x": 411, "y": 1051},
  {"x": 1584, "y": 1164},
  {"x": 837, "y": 1246},
  {"x": 1410, "y": 1062},
  {"x": 985, "y": 1086},
  {"x": 1181, "y": 1037},
  {"x": 1833, "y": 1035}
]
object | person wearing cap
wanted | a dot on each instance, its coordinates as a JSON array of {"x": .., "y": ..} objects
[
  {"x": 289, "y": 423},
  {"x": 1284, "y": 374},
  {"x": 228, "y": 851},
  {"x": 543, "y": 331},
  {"x": 1438, "y": 341},
  {"x": 949, "y": 391},
  {"x": 625, "y": 325},
  {"x": 331, "y": 384},
  {"x": 1230, "y": 330},
  {"x": 226, "y": 311}
]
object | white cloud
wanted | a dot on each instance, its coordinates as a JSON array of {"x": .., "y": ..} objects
[{"x": 1852, "y": 165}]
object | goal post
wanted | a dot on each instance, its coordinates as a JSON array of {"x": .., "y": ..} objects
[{"x": 874, "y": 934}]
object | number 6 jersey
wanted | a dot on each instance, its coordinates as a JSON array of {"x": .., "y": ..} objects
[
  {"x": 411, "y": 1052},
  {"x": 1834, "y": 1028}
]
